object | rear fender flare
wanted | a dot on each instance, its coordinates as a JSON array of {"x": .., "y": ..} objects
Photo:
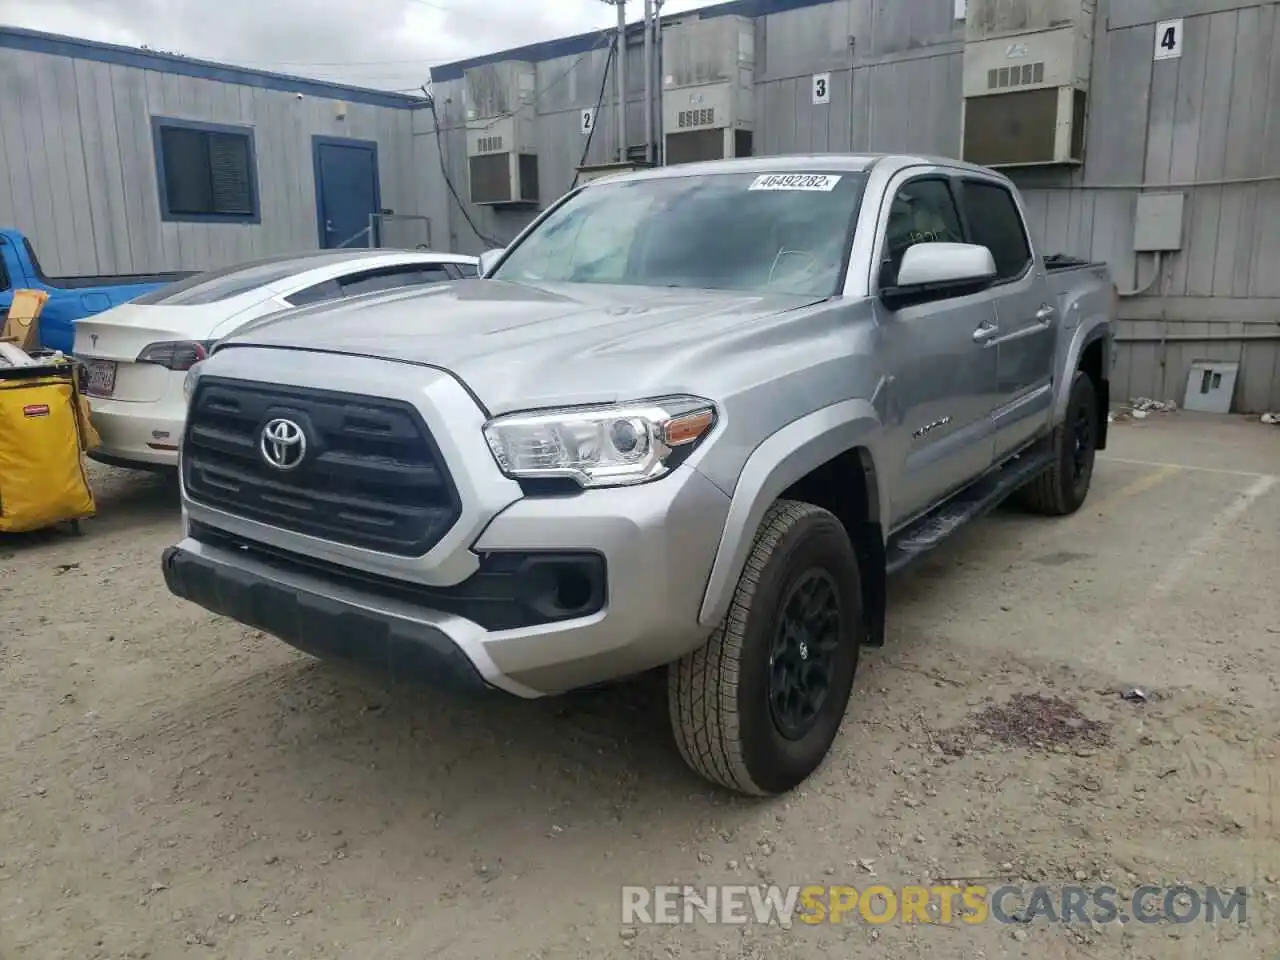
[
  {"x": 777, "y": 463},
  {"x": 1091, "y": 329}
]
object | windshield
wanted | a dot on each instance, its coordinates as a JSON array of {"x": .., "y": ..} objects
[{"x": 775, "y": 233}]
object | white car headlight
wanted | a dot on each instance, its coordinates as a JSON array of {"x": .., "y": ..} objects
[{"x": 602, "y": 446}]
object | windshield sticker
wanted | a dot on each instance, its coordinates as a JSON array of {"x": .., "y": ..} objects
[{"x": 819, "y": 182}]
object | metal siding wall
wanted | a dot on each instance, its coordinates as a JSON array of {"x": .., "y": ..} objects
[
  {"x": 880, "y": 55},
  {"x": 1202, "y": 117},
  {"x": 77, "y": 168}
]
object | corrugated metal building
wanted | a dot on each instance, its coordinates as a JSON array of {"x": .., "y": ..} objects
[
  {"x": 117, "y": 160},
  {"x": 1194, "y": 121}
]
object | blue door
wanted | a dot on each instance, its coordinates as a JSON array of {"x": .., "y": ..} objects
[{"x": 346, "y": 190}]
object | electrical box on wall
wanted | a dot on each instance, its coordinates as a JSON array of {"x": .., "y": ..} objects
[
  {"x": 1027, "y": 66},
  {"x": 502, "y": 157},
  {"x": 1157, "y": 222},
  {"x": 708, "y": 89}
]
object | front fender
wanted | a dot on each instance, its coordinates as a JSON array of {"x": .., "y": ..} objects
[
  {"x": 1090, "y": 329},
  {"x": 783, "y": 458}
]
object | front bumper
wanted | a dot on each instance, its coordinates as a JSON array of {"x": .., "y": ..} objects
[
  {"x": 312, "y": 618},
  {"x": 657, "y": 541}
]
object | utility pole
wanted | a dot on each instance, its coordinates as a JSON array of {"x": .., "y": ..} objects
[
  {"x": 655, "y": 69},
  {"x": 648, "y": 81},
  {"x": 620, "y": 78}
]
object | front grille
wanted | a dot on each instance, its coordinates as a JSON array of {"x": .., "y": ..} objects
[{"x": 371, "y": 477}]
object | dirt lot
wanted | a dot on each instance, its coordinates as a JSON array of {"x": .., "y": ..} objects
[{"x": 174, "y": 785}]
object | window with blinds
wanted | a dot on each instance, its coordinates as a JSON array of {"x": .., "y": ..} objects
[{"x": 206, "y": 171}]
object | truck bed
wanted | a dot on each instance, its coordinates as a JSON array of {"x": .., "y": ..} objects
[
  {"x": 1086, "y": 283},
  {"x": 109, "y": 280}
]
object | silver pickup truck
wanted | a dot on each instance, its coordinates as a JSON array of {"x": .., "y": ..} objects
[{"x": 692, "y": 418}]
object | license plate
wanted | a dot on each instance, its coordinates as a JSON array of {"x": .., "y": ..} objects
[{"x": 100, "y": 377}]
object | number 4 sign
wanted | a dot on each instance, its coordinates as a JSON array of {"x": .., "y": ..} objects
[
  {"x": 588, "y": 120},
  {"x": 1168, "y": 39},
  {"x": 822, "y": 88}
]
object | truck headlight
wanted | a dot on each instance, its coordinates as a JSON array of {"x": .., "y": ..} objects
[{"x": 601, "y": 446}]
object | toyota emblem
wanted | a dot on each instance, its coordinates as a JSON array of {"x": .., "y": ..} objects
[{"x": 283, "y": 444}]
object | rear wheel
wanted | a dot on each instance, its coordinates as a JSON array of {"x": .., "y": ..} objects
[
  {"x": 1062, "y": 488},
  {"x": 757, "y": 708}
]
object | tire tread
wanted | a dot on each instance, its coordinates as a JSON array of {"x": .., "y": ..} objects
[{"x": 703, "y": 687}]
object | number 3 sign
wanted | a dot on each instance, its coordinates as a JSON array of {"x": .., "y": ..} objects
[
  {"x": 822, "y": 88},
  {"x": 1168, "y": 39}
]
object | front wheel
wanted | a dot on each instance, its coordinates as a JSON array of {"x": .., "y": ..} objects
[
  {"x": 757, "y": 707},
  {"x": 1062, "y": 488}
]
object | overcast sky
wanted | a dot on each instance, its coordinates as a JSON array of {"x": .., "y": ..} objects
[{"x": 377, "y": 43}]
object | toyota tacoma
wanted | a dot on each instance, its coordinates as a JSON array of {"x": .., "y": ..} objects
[{"x": 692, "y": 417}]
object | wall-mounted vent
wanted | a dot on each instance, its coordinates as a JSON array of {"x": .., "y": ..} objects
[
  {"x": 503, "y": 178},
  {"x": 1018, "y": 76},
  {"x": 707, "y": 144},
  {"x": 1025, "y": 127},
  {"x": 489, "y": 144},
  {"x": 705, "y": 117}
]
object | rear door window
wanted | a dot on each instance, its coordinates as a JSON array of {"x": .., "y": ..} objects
[{"x": 995, "y": 223}]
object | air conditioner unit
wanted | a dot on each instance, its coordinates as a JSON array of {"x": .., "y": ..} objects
[
  {"x": 708, "y": 89},
  {"x": 502, "y": 159},
  {"x": 1027, "y": 66}
]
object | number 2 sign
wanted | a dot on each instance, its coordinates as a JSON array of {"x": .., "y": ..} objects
[
  {"x": 1168, "y": 39},
  {"x": 588, "y": 120},
  {"x": 821, "y": 88}
]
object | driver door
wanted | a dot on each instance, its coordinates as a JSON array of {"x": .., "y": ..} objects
[{"x": 941, "y": 369}]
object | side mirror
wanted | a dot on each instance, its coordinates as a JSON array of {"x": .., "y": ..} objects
[
  {"x": 489, "y": 259},
  {"x": 932, "y": 270}
]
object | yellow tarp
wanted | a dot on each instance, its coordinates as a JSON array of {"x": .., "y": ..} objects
[{"x": 42, "y": 434}]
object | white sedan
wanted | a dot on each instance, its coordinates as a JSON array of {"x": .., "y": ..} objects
[{"x": 136, "y": 355}]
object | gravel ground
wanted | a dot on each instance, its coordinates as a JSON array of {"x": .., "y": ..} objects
[{"x": 174, "y": 785}]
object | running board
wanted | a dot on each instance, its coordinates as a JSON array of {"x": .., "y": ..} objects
[{"x": 979, "y": 499}]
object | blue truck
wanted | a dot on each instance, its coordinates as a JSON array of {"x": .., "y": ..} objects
[{"x": 70, "y": 298}]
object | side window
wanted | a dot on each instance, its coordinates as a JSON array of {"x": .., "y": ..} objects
[
  {"x": 467, "y": 269},
  {"x": 922, "y": 211},
  {"x": 391, "y": 279},
  {"x": 207, "y": 171},
  {"x": 326, "y": 290},
  {"x": 995, "y": 223}
]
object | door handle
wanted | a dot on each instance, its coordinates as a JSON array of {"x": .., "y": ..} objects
[
  {"x": 1045, "y": 313},
  {"x": 985, "y": 332},
  {"x": 328, "y": 225}
]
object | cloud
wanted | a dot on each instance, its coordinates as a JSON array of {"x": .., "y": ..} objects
[{"x": 377, "y": 43}]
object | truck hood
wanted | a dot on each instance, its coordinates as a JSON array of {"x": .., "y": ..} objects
[{"x": 518, "y": 346}]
